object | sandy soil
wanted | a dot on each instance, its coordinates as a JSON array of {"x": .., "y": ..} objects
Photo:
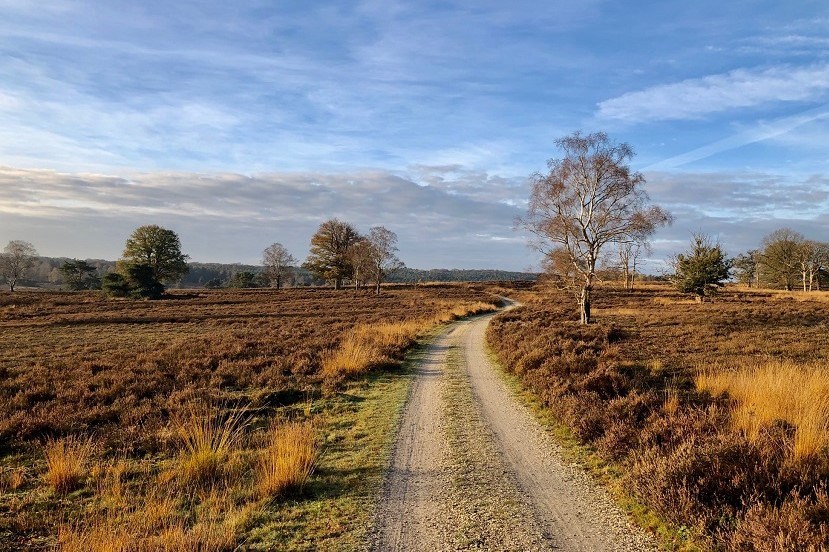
[{"x": 471, "y": 468}]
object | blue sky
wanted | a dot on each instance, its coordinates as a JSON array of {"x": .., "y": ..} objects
[{"x": 243, "y": 123}]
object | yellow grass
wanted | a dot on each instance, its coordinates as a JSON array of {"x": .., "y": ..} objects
[
  {"x": 67, "y": 462},
  {"x": 371, "y": 345},
  {"x": 785, "y": 391},
  {"x": 288, "y": 459},
  {"x": 821, "y": 296},
  {"x": 209, "y": 435},
  {"x": 155, "y": 523},
  {"x": 102, "y": 537}
]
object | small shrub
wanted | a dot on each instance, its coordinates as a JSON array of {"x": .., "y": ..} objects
[
  {"x": 288, "y": 460},
  {"x": 66, "y": 463},
  {"x": 790, "y": 526}
]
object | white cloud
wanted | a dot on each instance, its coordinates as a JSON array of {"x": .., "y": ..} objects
[
  {"x": 449, "y": 218},
  {"x": 741, "y": 88}
]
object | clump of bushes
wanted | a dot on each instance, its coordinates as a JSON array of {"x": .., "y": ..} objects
[{"x": 137, "y": 280}]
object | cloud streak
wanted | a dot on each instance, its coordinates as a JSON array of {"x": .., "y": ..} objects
[{"x": 696, "y": 98}]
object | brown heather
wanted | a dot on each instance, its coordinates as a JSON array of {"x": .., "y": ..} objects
[
  {"x": 139, "y": 404},
  {"x": 716, "y": 412}
]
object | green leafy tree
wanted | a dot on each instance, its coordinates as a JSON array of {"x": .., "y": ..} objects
[
  {"x": 330, "y": 257},
  {"x": 158, "y": 248},
  {"x": 243, "y": 280},
  {"x": 115, "y": 285},
  {"x": 79, "y": 275},
  {"x": 781, "y": 257},
  {"x": 142, "y": 281},
  {"x": 703, "y": 269}
]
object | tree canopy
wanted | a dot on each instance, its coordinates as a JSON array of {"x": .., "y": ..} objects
[
  {"x": 588, "y": 198},
  {"x": 158, "y": 248},
  {"x": 780, "y": 257},
  {"x": 329, "y": 257},
  {"x": 79, "y": 275}
]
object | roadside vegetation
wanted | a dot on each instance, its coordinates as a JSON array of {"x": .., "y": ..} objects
[
  {"x": 716, "y": 413},
  {"x": 203, "y": 420}
]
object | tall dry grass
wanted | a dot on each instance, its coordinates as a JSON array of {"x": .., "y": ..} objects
[
  {"x": 288, "y": 459},
  {"x": 776, "y": 391},
  {"x": 67, "y": 463},
  {"x": 209, "y": 435},
  {"x": 371, "y": 345}
]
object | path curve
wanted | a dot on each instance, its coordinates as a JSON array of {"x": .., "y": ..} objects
[{"x": 472, "y": 469}]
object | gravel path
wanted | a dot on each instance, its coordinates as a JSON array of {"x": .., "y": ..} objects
[{"x": 472, "y": 469}]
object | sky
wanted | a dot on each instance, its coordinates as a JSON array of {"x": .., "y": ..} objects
[{"x": 239, "y": 124}]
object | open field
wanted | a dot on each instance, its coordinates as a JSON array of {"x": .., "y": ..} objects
[
  {"x": 716, "y": 413},
  {"x": 206, "y": 420}
]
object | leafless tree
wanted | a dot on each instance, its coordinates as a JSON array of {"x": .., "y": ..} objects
[
  {"x": 589, "y": 198},
  {"x": 814, "y": 257},
  {"x": 278, "y": 263},
  {"x": 780, "y": 260},
  {"x": 630, "y": 252},
  {"x": 16, "y": 260},
  {"x": 383, "y": 253},
  {"x": 362, "y": 264}
]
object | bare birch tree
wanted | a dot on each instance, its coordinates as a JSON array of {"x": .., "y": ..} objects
[
  {"x": 362, "y": 262},
  {"x": 16, "y": 260},
  {"x": 383, "y": 253},
  {"x": 814, "y": 257},
  {"x": 630, "y": 252},
  {"x": 589, "y": 198},
  {"x": 278, "y": 263}
]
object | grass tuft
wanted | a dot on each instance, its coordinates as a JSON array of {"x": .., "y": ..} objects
[
  {"x": 66, "y": 463},
  {"x": 288, "y": 460},
  {"x": 209, "y": 435}
]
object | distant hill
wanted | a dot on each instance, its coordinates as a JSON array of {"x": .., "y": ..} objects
[{"x": 45, "y": 274}]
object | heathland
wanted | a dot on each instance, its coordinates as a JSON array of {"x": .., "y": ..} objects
[
  {"x": 714, "y": 415},
  {"x": 206, "y": 419}
]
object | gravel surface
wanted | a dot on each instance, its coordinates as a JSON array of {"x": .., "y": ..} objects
[{"x": 472, "y": 469}]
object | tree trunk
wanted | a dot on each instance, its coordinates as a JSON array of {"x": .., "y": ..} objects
[
  {"x": 338, "y": 284},
  {"x": 378, "y": 286},
  {"x": 278, "y": 282},
  {"x": 584, "y": 304}
]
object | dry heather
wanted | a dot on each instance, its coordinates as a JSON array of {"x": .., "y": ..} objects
[
  {"x": 157, "y": 416},
  {"x": 715, "y": 412}
]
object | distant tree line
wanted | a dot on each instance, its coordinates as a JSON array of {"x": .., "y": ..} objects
[{"x": 152, "y": 260}]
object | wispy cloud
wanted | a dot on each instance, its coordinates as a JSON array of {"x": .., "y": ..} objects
[
  {"x": 741, "y": 88},
  {"x": 764, "y": 130}
]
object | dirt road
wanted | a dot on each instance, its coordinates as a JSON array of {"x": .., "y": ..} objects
[{"x": 471, "y": 468}]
